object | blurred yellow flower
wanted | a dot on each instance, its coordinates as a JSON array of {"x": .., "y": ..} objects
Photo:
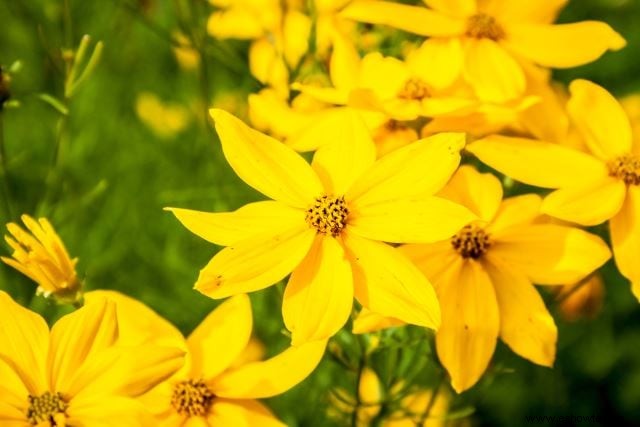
[
  {"x": 368, "y": 404},
  {"x": 187, "y": 56},
  {"x": 327, "y": 224},
  {"x": 40, "y": 255},
  {"x": 75, "y": 374},
  {"x": 581, "y": 300},
  {"x": 221, "y": 380},
  {"x": 483, "y": 276},
  {"x": 413, "y": 407},
  {"x": 593, "y": 186},
  {"x": 485, "y": 42},
  {"x": 165, "y": 120}
]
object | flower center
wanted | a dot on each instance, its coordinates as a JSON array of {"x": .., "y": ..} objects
[
  {"x": 46, "y": 408},
  {"x": 471, "y": 241},
  {"x": 626, "y": 168},
  {"x": 414, "y": 88},
  {"x": 328, "y": 215},
  {"x": 192, "y": 398},
  {"x": 483, "y": 26}
]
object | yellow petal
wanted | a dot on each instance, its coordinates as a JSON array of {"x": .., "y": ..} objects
[
  {"x": 433, "y": 259},
  {"x": 551, "y": 254},
  {"x": 241, "y": 413},
  {"x": 296, "y": 30},
  {"x": 385, "y": 76},
  {"x": 368, "y": 321},
  {"x": 234, "y": 23},
  {"x": 79, "y": 337},
  {"x": 267, "y": 65},
  {"x": 525, "y": 324},
  {"x": 421, "y": 168},
  {"x": 386, "y": 282},
  {"x": 457, "y": 8},
  {"x": 266, "y": 164},
  {"x": 470, "y": 323},
  {"x": 625, "y": 238},
  {"x": 228, "y": 326},
  {"x": 107, "y": 411},
  {"x": 494, "y": 75},
  {"x": 563, "y": 46},
  {"x": 270, "y": 377},
  {"x": 12, "y": 390},
  {"x": 25, "y": 341},
  {"x": 438, "y": 62},
  {"x": 537, "y": 163},
  {"x": 10, "y": 416},
  {"x": 251, "y": 220},
  {"x": 429, "y": 219},
  {"x": 254, "y": 264},
  {"x": 515, "y": 211},
  {"x": 348, "y": 152},
  {"x": 600, "y": 119},
  {"x": 543, "y": 12},
  {"x": 587, "y": 204},
  {"x": 319, "y": 296},
  {"x": 417, "y": 20},
  {"x": 479, "y": 192},
  {"x": 272, "y": 114},
  {"x": 345, "y": 63}
]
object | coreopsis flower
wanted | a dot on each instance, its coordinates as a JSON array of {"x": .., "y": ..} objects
[
  {"x": 219, "y": 384},
  {"x": 366, "y": 406},
  {"x": 421, "y": 409},
  {"x": 483, "y": 276},
  {"x": 593, "y": 186},
  {"x": 327, "y": 224},
  {"x": 164, "y": 119},
  {"x": 484, "y": 42},
  {"x": 40, "y": 254},
  {"x": 75, "y": 374}
]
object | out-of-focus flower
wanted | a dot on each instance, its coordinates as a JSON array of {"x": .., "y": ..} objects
[
  {"x": 592, "y": 187},
  {"x": 483, "y": 276},
  {"x": 413, "y": 407},
  {"x": 75, "y": 374},
  {"x": 165, "y": 120},
  {"x": 483, "y": 42},
  {"x": 5, "y": 94},
  {"x": 328, "y": 223},
  {"x": 187, "y": 56},
  {"x": 39, "y": 254},
  {"x": 582, "y": 299},
  {"x": 368, "y": 404},
  {"x": 219, "y": 387}
]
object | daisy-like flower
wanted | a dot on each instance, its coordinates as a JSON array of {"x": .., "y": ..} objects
[
  {"x": 483, "y": 277},
  {"x": 595, "y": 185},
  {"x": 40, "y": 255},
  {"x": 327, "y": 224},
  {"x": 75, "y": 374},
  {"x": 483, "y": 41},
  {"x": 221, "y": 381}
]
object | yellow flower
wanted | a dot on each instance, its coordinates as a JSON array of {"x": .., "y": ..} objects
[
  {"x": 187, "y": 56},
  {"x": 40, "y": 255},
  {"x": 219, "y": 384},
  {"x": 592, "y": 187},
  {"x": 165, "y": 120},
  {"x": 483, "y": 276},
  {"x": 75, "y": 374},
  {"x": 413, "y": 407},
  {"x": 368, "y": 404},
  {"x": 483, "y": 41},
  {"x": 581, "y": 300},
  {"x": 327, "y": 224}
]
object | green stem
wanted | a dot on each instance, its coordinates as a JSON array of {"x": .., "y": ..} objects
[
  {"x": 4, "y": 173},
  {"x": 361, "y": 365}
]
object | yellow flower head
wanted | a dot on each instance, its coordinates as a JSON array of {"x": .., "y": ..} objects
[
  {"x": 77, "y": 373},
  {"x": 485, "y": 42},
  {"x": 223, "y": 376},
  {"x": 165, "y": 120},
  {"x": 40, "y": 255},
  {"x": 328, "y": 223}
]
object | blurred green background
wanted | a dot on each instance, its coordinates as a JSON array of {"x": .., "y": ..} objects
[{"x": 114, "y": 175}]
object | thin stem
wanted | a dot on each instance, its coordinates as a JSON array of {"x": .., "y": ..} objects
[
  {"x": 361, "y": 365},
  {"x": 4, "y": 173}
]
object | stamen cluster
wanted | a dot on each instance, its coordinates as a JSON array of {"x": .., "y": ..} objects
[
  {"x": 471, "y": 241},
  {"x": 44, "y": 408},
  {"x": 192, "y": 398},
  {"x": 328, "y": 215},
  {"x": 414, "y": 88},
  {"x": 483, "y": 26},
  {"x": 626, "y": 168}
]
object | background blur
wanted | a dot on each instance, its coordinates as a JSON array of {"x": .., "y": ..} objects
[{"x": 124, "y": 155}]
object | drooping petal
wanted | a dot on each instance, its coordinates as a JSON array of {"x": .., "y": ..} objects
[
  {"x": 587, "y": 204},
  {"x": 537, "y": 163},
  {"x": 270, "y": 377},
  {"x": 241, "y": 413},
  {"x": 254, "y": 264},
  {"x": 417, "y": 20},
  {"x": 438, "y": 62},
  {"x": 565, "y": 45},
  {"x": 319, "y": 296},
  {"x": 470, "y": 323},
  {"x": 347, "y": 153},
  {"x": 514, "y": 211},
  {"x": 251, "y": 220},
  {"x": 345, "y": 63},
  {"x": 479, "y": 192},
  {"x": 551, "y": 254},
  {"x": 386, "y": 282},
  {"x": 600, "y": 119},
  {"x": 25, "y": 341},
  {"x": 625, "y": 238},
  {"x": 368, "y": 321},
  {"x": 494, "y": 75},
  {"x": 427, "y": 220},
  {"x": 229, "y": 326},
  {"x": 420, "y": 168},
  {"x": 266, "y": 164},
  {"x": 525, "y": 323},
  {"x": 457, "y": 8}
]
